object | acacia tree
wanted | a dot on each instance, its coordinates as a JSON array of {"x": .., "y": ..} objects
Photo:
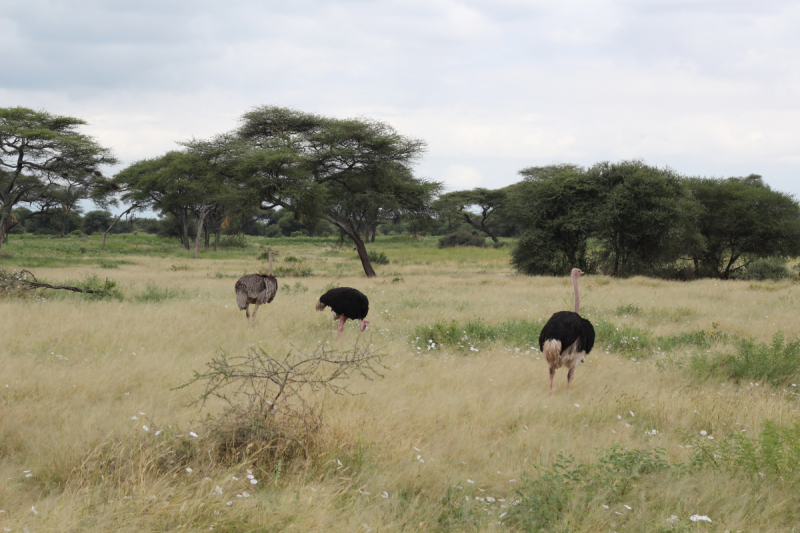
[
  {"x": 638, "y": 216},
  {"x": 741, "y": 220},
  {"x": 555, "y": 207},
  {"x": 488, "y": 202},
  {"x": 166, "y": 183},
  {"x": 344, "y": 171},
  {"x": 37, "y": 149}
]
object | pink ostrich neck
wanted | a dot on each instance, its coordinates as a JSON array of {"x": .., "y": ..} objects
[{"x": 577, "y": 298}]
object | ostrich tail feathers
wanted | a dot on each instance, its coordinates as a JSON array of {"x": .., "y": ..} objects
[
  {"x": 552, "y": 352},
  {"x": 320, "y": 306}
]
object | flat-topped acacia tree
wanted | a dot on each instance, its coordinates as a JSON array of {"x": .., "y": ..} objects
[
  {"x": 38, "y": 152},
  {"x": 348, "y": 172}
]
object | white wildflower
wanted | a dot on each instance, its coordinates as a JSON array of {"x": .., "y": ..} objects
[{"x": 698, "y": 518}]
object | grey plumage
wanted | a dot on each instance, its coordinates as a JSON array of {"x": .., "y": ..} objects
[{"x": 258, "y": 289}]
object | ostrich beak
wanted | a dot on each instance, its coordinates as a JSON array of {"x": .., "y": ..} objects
[{"x": 362, "y": 324}]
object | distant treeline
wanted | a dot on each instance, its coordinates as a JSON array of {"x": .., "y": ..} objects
[{"x": 291, "y": 173}]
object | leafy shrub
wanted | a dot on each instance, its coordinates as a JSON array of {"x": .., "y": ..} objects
[
  {"x": 543, "y": 501},
  {"x": 776, "y": 450},
  {"x": 629, "y": 310},
  {"x": 699, "y": 338},
  {"x": 626, "y": 339},
  {"x": 155, "y": 294},
  {"x": 777, "y": 362},
  {"x": 175, "y": 268},
  {"x": 377, "y": 258},
  {"x": 75, "y": 233},
  {"x": 298, "y": 288},
  {"x": 453, "y": 334},
  {"x": 103, "y": 263},
  {"x": 293, "y": 271},
  {"x": 233, "y": 241},
  {"x": 291, "y": 259},
  {"x": 462, "y": 238},
  {"x": 773, "y": 268},
  {"x": 499, "y": 244}
]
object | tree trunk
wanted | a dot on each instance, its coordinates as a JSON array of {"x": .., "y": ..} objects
[
  {"x": 362, "y": 254},
  {"x": 185, "y": 235},
  {"x": 131, "y": 208},
  {"x": 216, "y": 239},
  {"x": 207, "y": 236},
  {"x": 200, "y": 219},
  {"x": 479, "y": 227},
  {"x": 3, "y": 218},
  {"x": 356, "y": 238},
  {"x": 64, "y": 223}
]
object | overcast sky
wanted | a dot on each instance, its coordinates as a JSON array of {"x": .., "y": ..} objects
[{"x": 709, "y": 88}]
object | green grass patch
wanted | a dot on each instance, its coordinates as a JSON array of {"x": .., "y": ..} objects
[{"x": 154, "y": 293}]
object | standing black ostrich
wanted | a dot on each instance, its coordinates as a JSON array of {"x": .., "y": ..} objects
[
  {"x": 258, "y": 289},
  {"x": 567, "y": 337},
  {"x": 346, "y": 303}
]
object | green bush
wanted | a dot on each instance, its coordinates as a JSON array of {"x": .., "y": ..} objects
[
  {"x": 377, "y": 258},
  {"x": 777, "y": 362},
  {"x": 293, "y": 271},
  {"x": 773, "y": 268},
  {"x": 155, "y": 294},
  {"x": 233, "y": 241},
  {"x": 776, "y": 450},
  {"x": 462, "y": 238}
]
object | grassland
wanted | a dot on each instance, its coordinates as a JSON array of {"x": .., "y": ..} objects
[{"x": 459, "y": 434}]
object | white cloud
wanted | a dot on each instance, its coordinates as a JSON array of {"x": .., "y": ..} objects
[
  {"x": 707, "y": 87},
  {"x": 457, "y": 177}
]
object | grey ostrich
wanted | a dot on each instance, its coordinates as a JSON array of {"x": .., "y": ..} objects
[{"x": 258, "y": 289}]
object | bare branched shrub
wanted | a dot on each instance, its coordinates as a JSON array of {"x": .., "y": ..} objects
[{"x": 273, "y": 410}]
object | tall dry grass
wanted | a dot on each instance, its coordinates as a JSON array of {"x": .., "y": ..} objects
[{"x": 80, "y": 379}]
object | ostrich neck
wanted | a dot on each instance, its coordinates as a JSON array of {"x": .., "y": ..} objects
[
  {"x": 270, "y": 265},
  {"x": 577, "y": 298}
]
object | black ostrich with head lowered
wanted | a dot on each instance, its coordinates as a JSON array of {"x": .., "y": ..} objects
[
  {"x": 567, "y": 338},
  {"x": 346, "y": 303}
]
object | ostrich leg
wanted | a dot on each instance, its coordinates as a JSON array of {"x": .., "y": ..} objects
[
  {"x": 255, "y": 310},
  {"x": 247, "y": 310},
  {"x": 552, "y": 375},
  {"x": 570, "y": 375},
  {"x": 342, "y": 319}
]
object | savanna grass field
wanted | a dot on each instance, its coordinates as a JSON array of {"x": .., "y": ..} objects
[{"x": 684, "y": 417}]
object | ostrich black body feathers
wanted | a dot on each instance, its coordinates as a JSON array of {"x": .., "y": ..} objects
[
  {"x": 568, "y": 327},
  {"x": 351, "y": 303}
]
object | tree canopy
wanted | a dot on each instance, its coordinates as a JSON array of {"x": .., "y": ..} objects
[{"x": 45, "y": 161}]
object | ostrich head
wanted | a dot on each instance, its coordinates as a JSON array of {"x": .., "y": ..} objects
[{"x": 362, "y": 325}]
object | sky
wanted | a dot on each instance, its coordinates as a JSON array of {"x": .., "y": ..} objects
[{"x": 707, "y": 87}]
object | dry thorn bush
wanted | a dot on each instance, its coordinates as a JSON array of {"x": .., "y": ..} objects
[{"x": 273, "y": 406}]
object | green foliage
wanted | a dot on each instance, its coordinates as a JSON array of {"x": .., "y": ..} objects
[
  {"x": 543, "y": 501},
  {"x": 297, "y": 289},
  {"x": 233, "y": 241},
  {"x": 775, "y": 451},
  {"x": 625, "y": 339},
  {"x": 741, "y": 220},
  {"x": 291, "y": 259},
  {"x": 628, "y": 310},
  {"x": 555, "y": 207},
  {"x": 156, "y": 294},
  {"x": 776, "y": 362},
  {"x": 698, "y": 338},
  {"x": 293, "y": 271},
  {"x": 462, "y": 238},
  {"x": 378, "y": 258},
  {"x": 470, "y": 335},
  {"x": 772, "y": 268}
]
